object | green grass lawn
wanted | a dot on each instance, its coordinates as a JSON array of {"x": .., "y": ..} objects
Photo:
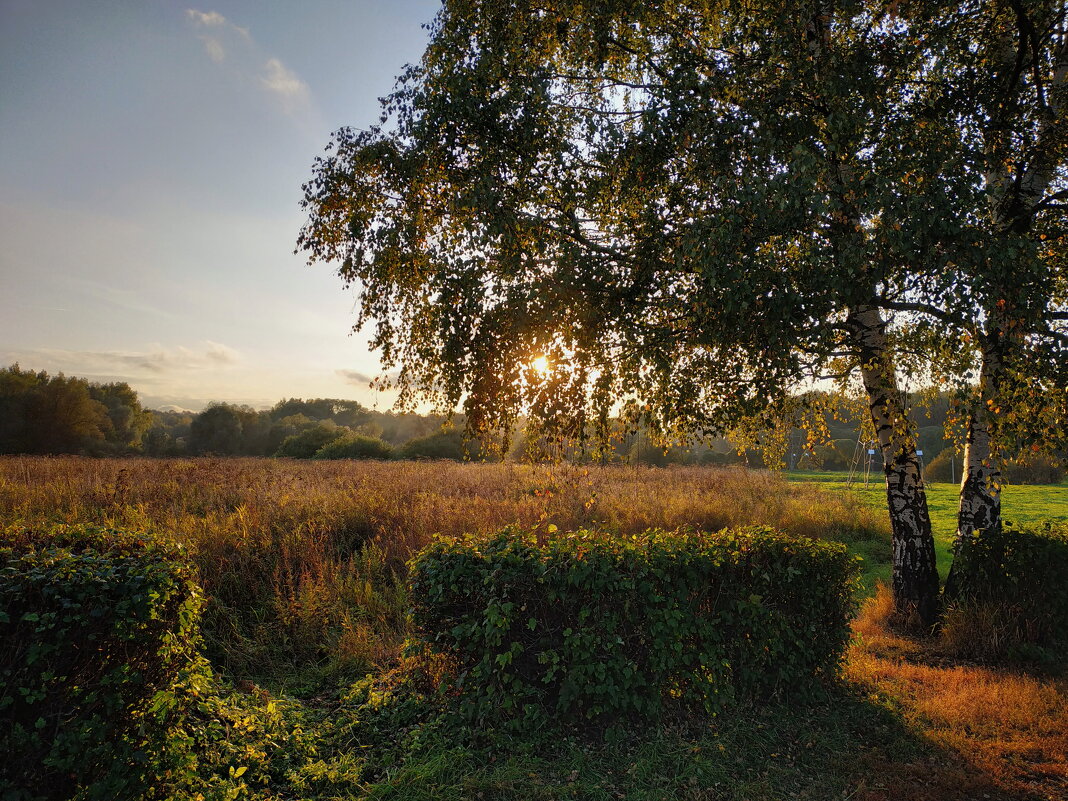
[{"x": 1023, "y": 504}]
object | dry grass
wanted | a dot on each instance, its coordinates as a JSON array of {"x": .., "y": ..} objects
[
  {"x": 1010, "y": 725},
  {"x": 304, "y": 561},
  {"x": 304, "y": 565},
  {"x": 402, "y": 504},
  {"x": 989, "y": 631}
]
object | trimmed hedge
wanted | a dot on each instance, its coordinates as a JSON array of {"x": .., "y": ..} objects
[
  {"x": 96, "y": 628},
  {"x": 595, "y": 625},
  {"x": 1022, "y": 575}
]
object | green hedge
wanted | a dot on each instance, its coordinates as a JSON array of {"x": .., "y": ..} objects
[
  {"x": 1023, "y": 572},
  {"x": 594, "y": 625},
  {"x": 96, "y": 627}
]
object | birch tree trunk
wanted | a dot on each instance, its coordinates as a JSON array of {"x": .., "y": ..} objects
[
  {"x": 980, "y": 487},
  {"x": 1016, "y": 184},
  {"x": 915, "y": 574}
]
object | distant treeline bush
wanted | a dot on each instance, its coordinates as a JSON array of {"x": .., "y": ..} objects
[
  {"x": 56, "y": 414},
  {"x": 42, "y": 414},
  {"x": 1027, "y": 468}
]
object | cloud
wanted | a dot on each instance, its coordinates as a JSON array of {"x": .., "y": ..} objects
[
  {"x": 362, "y": 379},
  {"x": 216, "y": 22},
  {"x": 216, "y": 51},
  {"x": 172, "y": 407},
  {"x": 177, "y": 402},
  {"x": 122, "y": 365},
  {"x": 209, "y": 19},
  {"x": 281, "y": 80},
  {"x": 355, "y": 377},
  {"x": 224, "y": 41},
  {"x": 220, "y": 354}
]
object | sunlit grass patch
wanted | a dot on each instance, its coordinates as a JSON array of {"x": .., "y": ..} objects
[
  {"x": 1023, "y": 504},
  {"x": 1009, "y": 724}
]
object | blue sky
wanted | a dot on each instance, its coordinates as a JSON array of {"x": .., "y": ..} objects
[{"x": 151, "y": 159}]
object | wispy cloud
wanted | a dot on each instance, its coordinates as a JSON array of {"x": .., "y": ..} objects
[
  {"x": 355, "y": 377},
  {"x": 224, "y": 41},
  {"x": 361, "y": 379},
  {"x": 216, "y": 51},
  {"x": 155, "y": 361},
  {"x": 216, "y": 28},
  {"x": 218, "y": 353},
  {"x": 281, "y": 80},
  {"x": 209, "y": 19}
]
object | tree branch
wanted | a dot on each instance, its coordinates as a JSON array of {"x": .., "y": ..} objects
[{"x": 921, "y": 308}]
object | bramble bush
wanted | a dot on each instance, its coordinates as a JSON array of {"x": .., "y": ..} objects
[
  {"x": 597, "y": 626},
  {"x": 1013, "y": 601},
  {"x": 96, "y": 627}
]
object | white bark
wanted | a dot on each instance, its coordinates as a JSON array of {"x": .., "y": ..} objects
[{"x": 915, "y": 574}]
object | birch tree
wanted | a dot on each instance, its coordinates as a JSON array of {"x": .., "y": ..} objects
[
  {"x": 1016, "y": 71},
  {"x": 690, "y": 209}
]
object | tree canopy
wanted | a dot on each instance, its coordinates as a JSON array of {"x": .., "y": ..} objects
[
  {"x": 691, "y": 209},
  {"x": 42, "y": 413}
]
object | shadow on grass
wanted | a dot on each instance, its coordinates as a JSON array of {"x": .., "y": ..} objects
[{"x": 847, "y": 746}]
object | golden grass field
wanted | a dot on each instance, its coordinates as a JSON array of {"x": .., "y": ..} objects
[{"x": 303, "y": 564}]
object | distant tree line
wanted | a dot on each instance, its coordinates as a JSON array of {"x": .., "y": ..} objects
[
  {"x": 43, "y": 414},
  {"x": 40, "y": 413},
  {"x": 58, "y": 414}
]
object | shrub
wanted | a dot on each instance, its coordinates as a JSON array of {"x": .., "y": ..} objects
[
  {"x": 305, "y": 444},
  {"x": 441, "y": 445},
  {"x": 942, "y": 469},
  {"x": 1013, "y": 597},
  {"x": 96, "y": 626},
  {"x": 1033, "y": 468},
  {"x": 594, "y": 625},
  {"x": 831, "y": 457},
  {"x": 355, "y": 446}
]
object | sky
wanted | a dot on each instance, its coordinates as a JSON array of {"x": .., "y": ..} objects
[{"x": 151, "y": 161}]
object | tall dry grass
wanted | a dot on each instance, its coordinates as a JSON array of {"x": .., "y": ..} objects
[{"x": 304, "y": 561}]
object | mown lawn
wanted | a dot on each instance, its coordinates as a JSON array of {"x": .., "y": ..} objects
[{"x": 1022, "y": 504}]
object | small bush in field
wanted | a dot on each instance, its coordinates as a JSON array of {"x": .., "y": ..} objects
[
  {"x": 355, "y": 446},
  {"x": 591, "y": 625},
  {"x": 96, "y": 627},
  {"x": 440, "y": 445},
  {"x": 305, "y": 444},
  {"x": 941, "y": 468},
  {"x": 1014, "y": 597}
]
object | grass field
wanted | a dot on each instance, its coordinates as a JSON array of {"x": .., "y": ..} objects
[
  {"x": 1023, "y": 504},
  {"x": 304, "y": 566}
]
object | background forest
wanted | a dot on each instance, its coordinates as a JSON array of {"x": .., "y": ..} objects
[{"x": 54, "y": 414}]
